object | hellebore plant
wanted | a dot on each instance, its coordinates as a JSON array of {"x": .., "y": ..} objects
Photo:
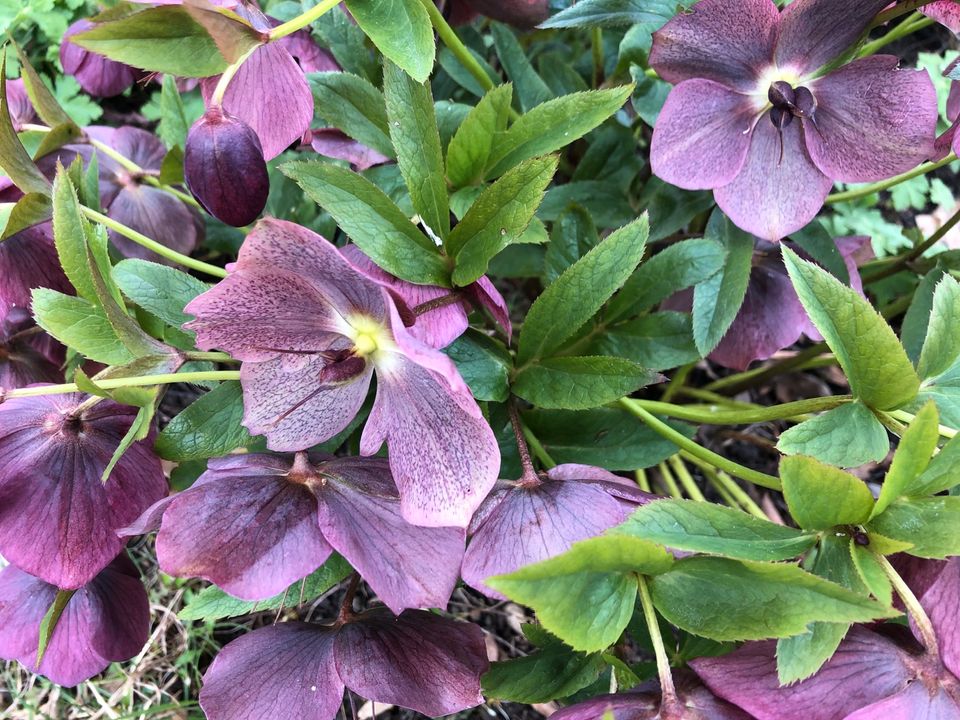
[
  {"x": 97, "y": 75},
  {"x": 28, "y": 259},
  {"x": 311, "y": 331},
  {"x": 754, "y": 116}
]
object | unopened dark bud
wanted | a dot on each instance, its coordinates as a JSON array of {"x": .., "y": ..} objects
[
  {"x": 224, "y": 168},
  {"x": 519, "y": 13}
]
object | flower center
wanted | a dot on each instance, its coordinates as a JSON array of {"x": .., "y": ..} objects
[{"x": 367, "y": 336}]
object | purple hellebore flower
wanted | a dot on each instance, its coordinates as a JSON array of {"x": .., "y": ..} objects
[
  {"x": 438, "y": 315},
  {"x": 58, "y": 519},
  {"x": 945, "y": 12},
  {"x": 418, "y": 660},
  {"x": 27, "y": 354},
  {"x": 333, "y": 143},
  {"x": 19, "y": 105},
  {"x": 751, "y": 119},
  {"x": 97, "y": 75},
  {"x": 254, "y": 524},
  {"x": 523, "y": 14},
  {"x": 106, "y": 620},
  {"x": 28, "y": 259},
  {"x": 310, "y": 330},
  {"x": 949, "y": 140},
  {"x": 528, "y": 521}
]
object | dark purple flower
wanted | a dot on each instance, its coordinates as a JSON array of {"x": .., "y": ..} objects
[
  {"x": 949, "y": 140},
  {"x": 523, "y": 14},
  {"x": 19, "y": 105},
  {"x": 253, "y": 524},
  {"x": 27, "y": 354},
  {"x": 525, "y": 522},
  {"x": 751, "y": 119},
  {"x": 418, "y": 660},
  {"x": 106, "y": 620},
  {"x": 311, "y": 330},
  {"x": 97, "y": 75},
  {"x": 224, "y": 168},
  {"x": 58, "y": 519},
  {"x": 333, "y": 143},
  {"x": 434, "y": 315},
  {"x": 28, "y": 259}
]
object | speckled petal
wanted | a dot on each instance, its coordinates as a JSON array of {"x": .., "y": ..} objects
[
  {"x": 159, "y": 216},
  {"x": 945, "y": 12}
]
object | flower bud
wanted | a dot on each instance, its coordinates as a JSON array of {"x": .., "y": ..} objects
[
  {"x": 519, "y": 13},
  {"x": 97, "y": 75},
  {"x": 224, "y": 168}
]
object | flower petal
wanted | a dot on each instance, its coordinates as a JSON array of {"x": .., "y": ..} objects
[
  {"x": 915, "y": 702},
  {"x": 278, "y": 671},
  {"x": 873, "y": 120},
  {"x": 333, "y": 143},
  {"x": 941, "y": 601},
  {"x": 945, "y": 12},
  {"x": 486, "y": 295},
  {"x": 702, "y": 137},
  {"x": 248, "y": 528},
  {"x": 95, "y": 73},
  {"x": 28, "y": 259},
  {"x": 140, "y": 146},
  {"x": 270, "y": 94},
  {"x": 814, "y": 32},
  {"x": 731, "y": 43},
  {"x": 407, "y": 566},
  {"x": 310, "y": 56},
  {"x": 159, "y": 216},
  {"x": 418, "y": 660},
  {"x": 773, "y": 196}
]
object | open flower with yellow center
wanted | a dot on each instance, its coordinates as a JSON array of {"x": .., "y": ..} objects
[{"x": 311, "y": 331}]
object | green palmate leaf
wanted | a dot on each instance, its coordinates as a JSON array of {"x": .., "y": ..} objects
[
  {"x": 531, "y": 89},
  {"x": 586, "y": 595},
  {"x": 574, "y": 235},
  {"x": 552, "y": 671},
  {"x": 658, "y": 341},
  {"x": 579, "y": 383},
  {"x": 460, "y": 75},
  {"x": 847, "y": 436},
  {"x": 484, "y": 364},
  {"x": 50, "y": 620},
  {"x": 943, "y": 472},
  {"x": 928, "y": 524},
  {"x": 725, "y": 599},
  {"x": 605, "y": 437},
  {"x": 212, "y": 603},
  {"x": 598, "y": 13},
  {"x": 800, "y": 656},
  {"x": 173, "y": 125},
  {"x": 679, "y": 266},
  {"x": 372, "y": 221},
  {"x": 72, "y": 234},
  {"x": 871, "y": 573},
  {"x": 401, "y": 30},
  {"x": 162, "y": 39},
  {"x": 821, "y": 496},
  {"x": 913, "y": 330},
  {"x": 15, "y": 161},
  {"x": 554, "y": 124},
  {"x": 353, "y": 105},
  {"x": 347, "y": 43},
  {"x": 30, "y": 210},
  {"x": 161, "y": 290},
  {"x": 58, "y": 136},
  {"x": 819, "y": 243},
  {"x": 911, "y": 458},
  {"x": 576, "y": 296},
  {"x": 879, "y": 371},
  {"x": 941, "y": 347},
  {"x": 413, "y": 130},
  {"x": 708, "y": 528},
  {"x": 79, "y": 324},
  {"x": 471, "y": 146},
  {"x": 209, "y": 427},
  {"x": 671, "y": 208},
  {"x": 717, "y": 300},
  {"x": 498, "y": 217}
]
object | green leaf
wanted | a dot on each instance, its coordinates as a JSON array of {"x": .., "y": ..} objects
[
  {"x": 717, "y": 300},
  {"x": 678, "y": 266},
  {"x": 79, "y": 324},
  {"x": 821, "y": 496},
  {"x": 531, "y": 89},
  {"x": 212, "y": 603},
  {"x": 605, "y": 437},
  {"x": 871, "y": 573},
  {"x": 15, "y": 161},
  {"x": 705, "y": 527},
  {"x": 579, "y": 383},
  {"x": 576, "y": 296},
  {"x": 913, "y": 329},
  {"x": 355, "y": 106},
  {"x": 50, "y": 620},
  {"x": 846, "y": 436},
  {"x": 161, "y": 290},
  {"x": 943, "y": 472},
  {"x": 470, "y": 148},
  {"x": 800, "y": 656},
  {"x": 31, "y": 209},
  {"x": 498, "y": 217},
  {"x": 671, "y": 208},
  {"x": 941, "y": 347},
  {"x": 372, "y": 221},
  {"x": 820, "y": 245},
  {"x": 551, "y": 671},
  {"x": 173, "y": 125},
  {"x": 161, "y": 39},
  {"x": 614, "y": 13},
  {"x": 658, "y": 341},
  {"x": 929, "y": 524},
  {"x": 913, "y": 454},
  {"x": 586, "y": 595},
  {"x": 234, "y": 35},
  {"x": 573, "y": 235},
  {"x": 553, "y": 125},
  {"x": 71, "y": 234},
  {"x": 46, "y": 105},
  {"x": 413, "y": 130},
  {"x": 401, "y": 30},
  {"x": 209, "y": 427},
  {"x": 879, "y": 371},
  {"x": 484, "y": 364},
  {"x": 724, "y": 599}
]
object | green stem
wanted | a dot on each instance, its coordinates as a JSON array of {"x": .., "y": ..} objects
[
  {"x": 913, "y": 606},
  {"x": 745, "y": 416},
  {"x": 301, "y": 21},
  {"x": 686, "y": 479},
  {"x": 153, "y": 245},
  {"x": 739, "y": 381},
  {"x": 668, "y": 692},
  {"x": 900, "y": 262},
  {"x": 542, "y": 455},
  {"x": 728, "y": 485},
  {"x": 860, "y": 192},
  {"x": 209, "y": 356},
  {"x": 643, "y": 482},
  {"x": 677, "y": 381},
  {"x": 911, "y": 24},
  {"x": 596, "y": 43},
  {"x": 685, "y": 443},
  {"x": 897, "y": 11},
  {"x": 670, "y": 486},
  {"x": 904, "y": 416},
  {"x": 136, "y": 381}
]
